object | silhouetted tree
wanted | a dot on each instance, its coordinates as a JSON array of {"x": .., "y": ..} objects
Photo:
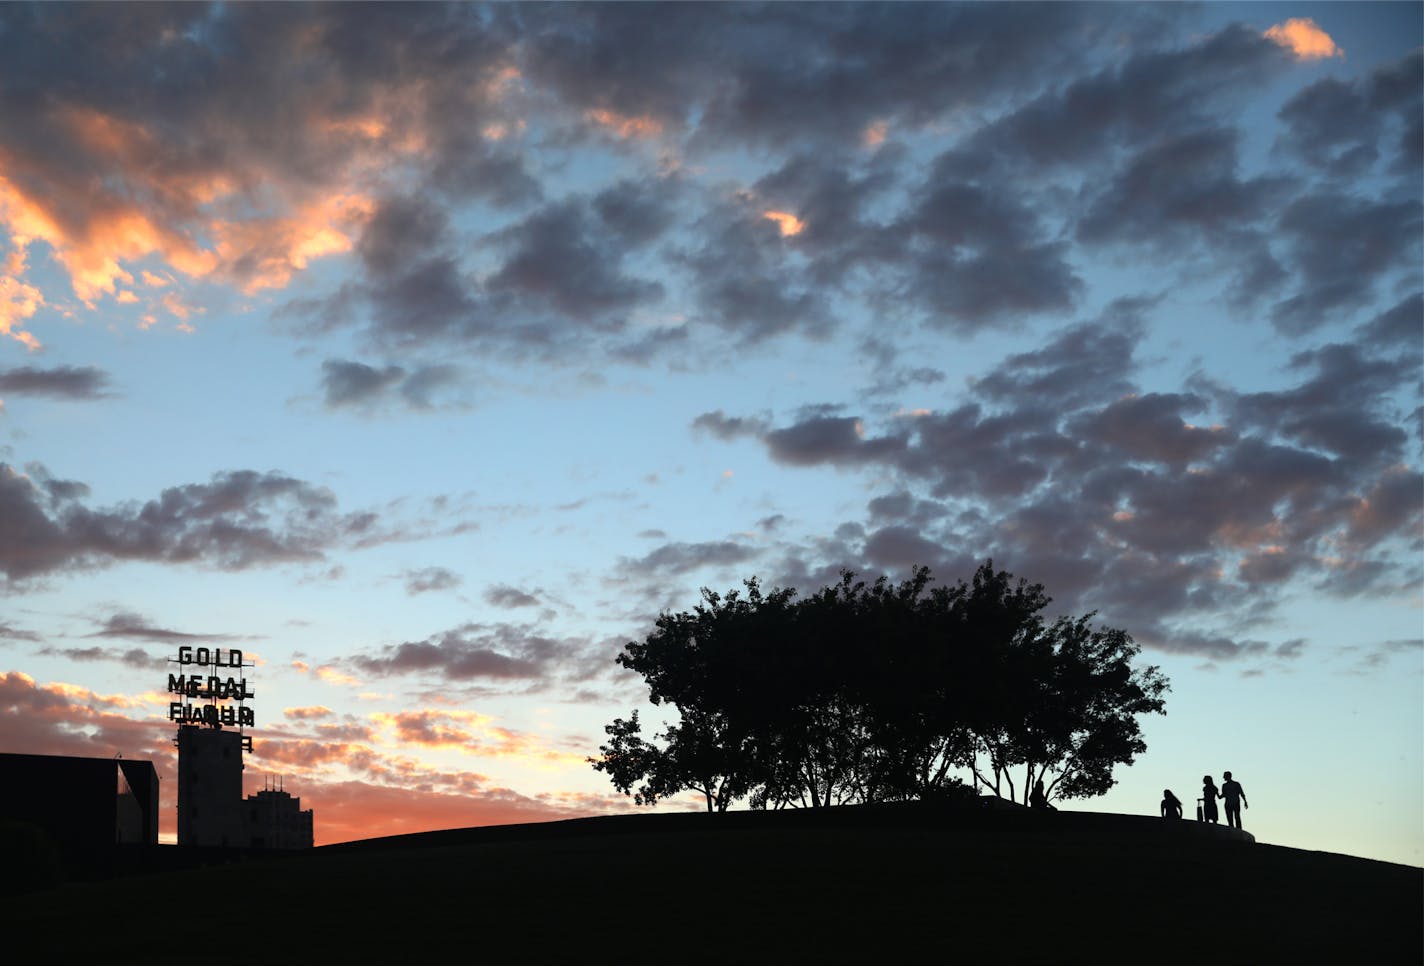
[
  {"x": 862, "y": 693},
  {"x": 1074, "y": 712},
  {"x": 693, "y": 759},
  {"x": 703, "y": 663}
]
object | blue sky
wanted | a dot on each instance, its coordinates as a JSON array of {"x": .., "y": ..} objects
[{"x": 426, "y": 353}]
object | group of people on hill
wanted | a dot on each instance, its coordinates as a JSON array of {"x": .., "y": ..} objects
[{"x": 1232, "y": 796}]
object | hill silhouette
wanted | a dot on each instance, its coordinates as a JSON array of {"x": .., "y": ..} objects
[{"x": 872, "y": 884}]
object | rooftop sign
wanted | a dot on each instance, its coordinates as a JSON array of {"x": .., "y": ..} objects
[{"x": 213, "y": 690}]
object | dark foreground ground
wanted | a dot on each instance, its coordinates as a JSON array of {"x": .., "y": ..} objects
[{"x": 875, "y": 886}]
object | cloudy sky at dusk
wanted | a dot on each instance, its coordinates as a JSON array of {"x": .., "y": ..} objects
[{"x": 426, "y": 353}]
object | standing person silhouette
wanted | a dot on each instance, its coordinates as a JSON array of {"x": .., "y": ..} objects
[
  {"x": 1171, "y": 804},
  {"x": 1209, "y": 797},
  {"x": 1235, "y": 797},
  {"x": 1037, "y": 799}
]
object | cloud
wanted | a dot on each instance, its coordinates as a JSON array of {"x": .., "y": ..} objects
[
  {"x": 1133, "y": 103},
  {"x": 562, "y": 258},
  {"x": 1184, "y": 189},
  {"x": 1151, "y": 428},
  {"x": 1304, "y": 38},
  {"x": 1338, "y": 408},
  {"x": 838, "y": 440},
  {"x": 904, "y": 71},
  {"x": 309, "y": 713},
  {"x": 10, "y": 632},
  {"x": 18, "y": 303},
  {"x": 131, "y": 626},
  {"x": 742, "y": 280},
  {"x": 158, "y": 162},
  {"x": 352, "y": 383},
  {"x": 134, "y": 657},
  {"x": 823, "y": 205},
  {"x": 336, "y": 676},
  {"x": 560, "y": 280},
  {"x": 473, "y": 734},
  {"x": 1082, "y": 363},
  {"x": 60, "y": 382},
  {"x": 430, "y": 579},
  {"x": 503, "y": 595},
  {"x": 1165, "y": 511},
  {"x": 1339, "y": 247},
  {"x": 977, "y": 255},
  {"x": 728, "y": 428},
  {"x": 1376, "y": 655},
  {"x": 65, "y": 719},
  {"x": 788, "y": 223},
  {"x": 355, "y": 385},
  {"x": 239, "y": 519},
  {"x": 501, "y": 653},
  {"x": 1342, "y": 127},
  {"x": 181, "y": 182},
  {"x": 681, "y": 558}
]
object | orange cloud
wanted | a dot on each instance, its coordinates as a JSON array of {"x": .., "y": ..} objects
[
  {"x": 18, "y": 302},
  {"x": 372, "y": 128},
  {"x": 331, "y": 675},
  {"x": 67, "y": 719},
  {"x": 626, "y": 127},
  {"x": 15, "y": 261},
  {"x": 393, "y": 124},
  {"x": 1304, "y": 38},
  {"x": 132, "y": 197},
  {"x": 176, "y": 306},
  {"x": 75, "y": 692},
  {"x": 874, "y": 134},
  {"x": 787, "y": 222},
  {"x": 305, "y": 755},
  {"x": 471, "y": 733},
  {"x": 266, "y": 252},
  {"x": 307, "y": 713},
  {"x": 92, "y": 253}
]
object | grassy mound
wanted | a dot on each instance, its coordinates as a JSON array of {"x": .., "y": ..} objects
[{"x": 836, "y": 886}]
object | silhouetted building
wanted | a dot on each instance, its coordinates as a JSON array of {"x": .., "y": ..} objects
[
  {"x": 275, "y": 820},
  {"x": 82, "y": 802},
  {"x": 210, "y": 787}
]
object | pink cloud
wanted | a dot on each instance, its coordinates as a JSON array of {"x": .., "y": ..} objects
[{"x": 1304, "y": 38}]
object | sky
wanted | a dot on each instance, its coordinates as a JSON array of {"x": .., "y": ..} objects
[{"x": 425, "y": 354}]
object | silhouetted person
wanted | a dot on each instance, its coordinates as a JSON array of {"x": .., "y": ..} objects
[
  {"x": 1209, "y": 797},
  {"x": 1171, "y": 804},
  {"x": 1037, "y": 799},
  {"x": 1234, "y": 797}
]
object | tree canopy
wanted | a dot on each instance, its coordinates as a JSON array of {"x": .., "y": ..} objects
[{"x": 881, "y": 692}]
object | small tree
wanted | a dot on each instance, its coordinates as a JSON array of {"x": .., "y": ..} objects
[
  {"x": 694, "y": 758},
  {"x": 1085, "y": 719},
  {"x": 1058, "y": 703}
]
